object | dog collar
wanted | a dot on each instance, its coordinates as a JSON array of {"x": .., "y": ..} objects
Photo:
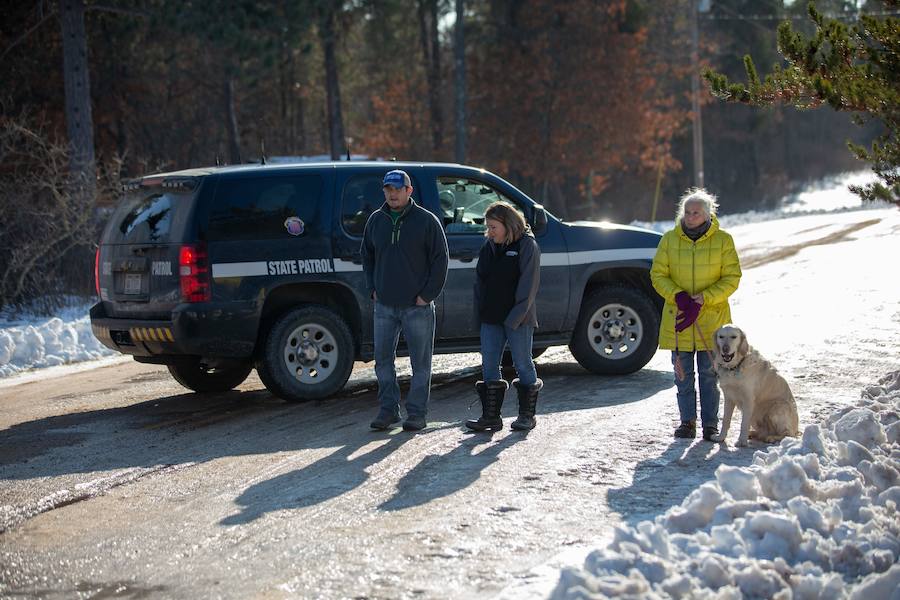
[{"x": 736, "y": 370}]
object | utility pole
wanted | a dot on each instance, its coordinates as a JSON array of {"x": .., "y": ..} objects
[{"x": 695, "y": 88}]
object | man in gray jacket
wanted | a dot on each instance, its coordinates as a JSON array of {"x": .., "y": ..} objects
[{"x": 405, "y": 258}]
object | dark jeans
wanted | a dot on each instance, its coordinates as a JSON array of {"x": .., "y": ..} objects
[
  {"x": 494, "y": 338},
  {"x": 709, "y": 388},
  {"x": 417, "y": 324}
]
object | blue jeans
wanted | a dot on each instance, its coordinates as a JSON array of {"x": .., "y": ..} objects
[
  {"x": 494, "y": 339},
  {"x": 709, "y": 389},
  {"x": 417, "y": 324}
]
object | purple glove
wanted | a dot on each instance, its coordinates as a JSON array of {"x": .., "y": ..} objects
[
  {"x": 683, "y": 300},
  {"x": 688, "y": 311}
]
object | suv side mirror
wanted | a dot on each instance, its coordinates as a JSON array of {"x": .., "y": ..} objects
[{"x": 539, "y": 222}]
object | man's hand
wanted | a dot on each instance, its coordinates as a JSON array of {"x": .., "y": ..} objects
[
  {"x": 698, "y": 298},
  {"x": 420, "y": 302},
  {"x": 374, "y": 296}
]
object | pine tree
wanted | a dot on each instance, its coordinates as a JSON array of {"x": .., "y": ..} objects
[{"x": 854, "y": 68}]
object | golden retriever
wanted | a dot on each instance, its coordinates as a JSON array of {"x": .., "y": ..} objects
[{"x": 750, "y": 383}]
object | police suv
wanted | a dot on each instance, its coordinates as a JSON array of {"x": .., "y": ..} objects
[{"x": 215, "y": 271}]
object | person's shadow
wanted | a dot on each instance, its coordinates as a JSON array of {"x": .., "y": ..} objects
[
  {"x": 664, "y": 481},
  {"x": 439, "y": 475},
  {"x": 327, "y": 478}
]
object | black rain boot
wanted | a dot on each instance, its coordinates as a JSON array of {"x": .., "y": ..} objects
[
  {"x": 491, "y": 394},
  {"x": 687, "y": 429},
  {"x": 528, "y": 395}
]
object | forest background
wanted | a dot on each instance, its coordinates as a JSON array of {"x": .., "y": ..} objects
[{"x": 583, "y": 104}]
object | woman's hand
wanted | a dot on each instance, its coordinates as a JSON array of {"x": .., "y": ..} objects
[{"x": 698, "y": 298}]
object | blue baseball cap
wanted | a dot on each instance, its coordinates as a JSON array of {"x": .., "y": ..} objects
[{"x": 396, "y": 179}]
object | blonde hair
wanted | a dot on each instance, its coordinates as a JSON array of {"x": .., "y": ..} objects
[
  {"x": 699, "y": 196},
  {"x": 510, "y": 218}
]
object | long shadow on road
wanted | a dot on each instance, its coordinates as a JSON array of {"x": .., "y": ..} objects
[
  {"x": 200, "y": 427},
  {"x": 186, "y": 429},
  {"x": 439, "y": 475},
  {"x": 327, "y": 478}
]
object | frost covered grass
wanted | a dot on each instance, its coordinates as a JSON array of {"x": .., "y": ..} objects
[
  {"x": 814, "y": 517},
  {"x": 31, "y": 342}
]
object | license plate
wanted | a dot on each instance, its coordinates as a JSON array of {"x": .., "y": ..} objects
[{"x": 132, "y": 283}]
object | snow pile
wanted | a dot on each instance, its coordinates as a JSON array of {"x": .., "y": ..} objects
[
  {"x": 815, "y": 517},
  {"x": 34, "y": 342}
]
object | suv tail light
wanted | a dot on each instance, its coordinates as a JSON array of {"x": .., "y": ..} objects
[
  {"x": 97, "y": 271},
  {"x": 194, "y": 273}
]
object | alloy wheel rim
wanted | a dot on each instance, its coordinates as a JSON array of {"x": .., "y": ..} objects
[
  {"x": 615, "y": 331},
  {"x": 310, "y": 353}
]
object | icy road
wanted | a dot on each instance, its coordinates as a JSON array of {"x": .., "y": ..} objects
[{"x": 114, "y": 482}]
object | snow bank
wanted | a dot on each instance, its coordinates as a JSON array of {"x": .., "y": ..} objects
[
  {"x": 815, "y": 517},
  {"x": 33, "y": 342}
]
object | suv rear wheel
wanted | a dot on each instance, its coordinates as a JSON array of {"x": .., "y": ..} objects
[
  {"x": 617, "y": 331},
  {"x": 196, "y": 376},
  {"x": 307, "y": 354}
]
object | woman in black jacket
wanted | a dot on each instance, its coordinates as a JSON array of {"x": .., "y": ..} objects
[{"x": 508, "y": 276}]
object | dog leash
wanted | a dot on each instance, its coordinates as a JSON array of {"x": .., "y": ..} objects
[
  {"x": 709, "y": 353},
  {"x": 679, "y": 368}
]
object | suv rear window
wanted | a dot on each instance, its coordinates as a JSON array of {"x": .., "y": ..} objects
[
  {"x": 149, "y": 215},
  {"x": 255, "y": 208}
]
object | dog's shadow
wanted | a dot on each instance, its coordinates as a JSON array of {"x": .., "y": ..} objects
[{"x": 664, "y": 481}]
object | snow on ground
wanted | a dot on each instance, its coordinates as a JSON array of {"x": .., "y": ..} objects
[
  {"x": 31, "y": 342},
  {"x": 815, "y": 517}
]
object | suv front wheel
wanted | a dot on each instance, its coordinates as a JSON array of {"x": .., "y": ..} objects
[
  {"x": 617, "y": 331},
  {"x": 307, "y": 354}
]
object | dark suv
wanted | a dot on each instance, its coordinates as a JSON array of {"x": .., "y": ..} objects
[{"x": 215, "y": 271}]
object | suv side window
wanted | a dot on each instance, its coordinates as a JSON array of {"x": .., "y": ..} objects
[
  {"x": 464, "y": 202},
  {"x": 362, "y": 196},
  {"x": 256, "y": 208}
]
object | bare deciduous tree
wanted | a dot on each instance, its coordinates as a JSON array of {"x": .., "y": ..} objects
[{"x": 47, "y": 232}]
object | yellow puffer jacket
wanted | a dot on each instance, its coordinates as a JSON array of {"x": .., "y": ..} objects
[{"x": 711, "y": 266}]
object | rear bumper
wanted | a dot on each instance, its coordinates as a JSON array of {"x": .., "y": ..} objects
[{"x": 194, "y": 330}]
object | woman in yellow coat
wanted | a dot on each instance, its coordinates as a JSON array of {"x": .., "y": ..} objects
[{"x": 696, "y": 269}]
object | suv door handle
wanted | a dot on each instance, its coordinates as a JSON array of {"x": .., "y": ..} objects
[{"x": 467, "y": 257}]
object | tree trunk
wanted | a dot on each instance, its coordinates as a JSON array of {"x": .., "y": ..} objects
[
  {"x": 79, "y": 120},
  {"x": 431, "y": 54},
  {"x": 234, "y": 136},
  {"x": 459, "y": 51},
  {"x": 332, "y": 85}
]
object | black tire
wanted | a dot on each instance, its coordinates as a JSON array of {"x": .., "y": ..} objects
[
  {"x": 617, "y": 331},
  {"x": 325, "y": 366},
  {"x": 196, "y": 376}
]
